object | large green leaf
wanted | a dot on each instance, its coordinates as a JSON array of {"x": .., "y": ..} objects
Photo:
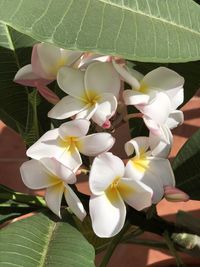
[
  {"x": 144, "y": 30},
  {"x": 42, "y": 241},
  {"x": 186, "y": 166}
]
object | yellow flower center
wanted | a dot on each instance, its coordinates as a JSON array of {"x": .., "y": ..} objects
[
  {"x": 140, "y": 163},
  {"x": 91, "y": 97},
  {"x": 60, "y": 63},
  {"x": 70, "y": 143},
  {"x": 143, "y": 88}
]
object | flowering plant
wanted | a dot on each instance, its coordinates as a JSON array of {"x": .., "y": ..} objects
[{"x": 70, "y": 89}]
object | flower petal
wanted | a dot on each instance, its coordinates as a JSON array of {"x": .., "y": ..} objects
[
  {"x": 71, "y": 158},
  {"x": 70, "y": 56},
  {"x": 163, "y": 78},
  {"x": 126, "y": 75},
  {"x": 105, "y": 169},
  {"x": 102, "y": 78},
  {"x": 58, "y": 170},
  {"x": 158, "y": 109},
  {"x": 132, "y": 97},
  {"x": 26, "y": 76},
  {"x": 53, "y": 197},
  {"x": 94, "y": 144},
  {"x": 139, "y": 145},
  {"x": 106, "y": 109},
  {"x": 135, "y": 193},
  {"x": 35, "y": 175},
  {"x": 175, "y": 119},
  {"x": 74, "y": 203},
  {"x": 75, "y": 128},
  {"x": 67, "y": 107},
  {"x": 87, "y": 112},
  {"x": 107, "y": 216},
  {"x": 71, "y": 81},
  {"x": 49, "y": 95}
]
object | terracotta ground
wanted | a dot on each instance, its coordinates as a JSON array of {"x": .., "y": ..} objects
[{"x": 12, "y": 154}]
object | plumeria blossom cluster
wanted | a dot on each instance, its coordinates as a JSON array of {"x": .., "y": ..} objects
[{"x": 93, "y": 85}]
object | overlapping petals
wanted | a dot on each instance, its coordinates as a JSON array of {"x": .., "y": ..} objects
[
  {"x": 91, "y": 94},
  {"x": 155, "y": 172},
  {"x": 156, "y": 95},
  {"x": 110, "y": 187},
  {"x": 55, "y": 177},
  {"x": 68, "y": 141}
]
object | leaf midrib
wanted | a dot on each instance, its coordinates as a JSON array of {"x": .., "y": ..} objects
[{"x": 150, "y": 16}]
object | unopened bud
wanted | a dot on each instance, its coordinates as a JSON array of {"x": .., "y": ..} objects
[
  {"x": 174, "y": 194},
  {"x": 106, "y": 124}
]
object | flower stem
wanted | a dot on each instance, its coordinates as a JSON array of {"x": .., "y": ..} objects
[{"x": 115, "y": 241}]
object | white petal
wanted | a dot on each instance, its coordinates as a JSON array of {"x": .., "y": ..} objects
[
  {"x": 35, "y": 175},
  {"x": 105, "y": 109},
  {"x": 67, "y": 107},
  {"x": 53, "y": 197},
  {"x": 132, "y": 97},
  {"x": 59, "y": 170},
  {"x": 130, "y": 79},
  {"x": 153, "y": 126},
  {"x": 176, "y": 96},
  {"x": 105, "y": 169},
  {"x": 71, "y": 56},
  {"x": 75, "y": 128},
  {"x": 158, "y": 109},
  {"x": 87, "y": 112},
  {"x": 161, "y": 147},
  {"x": 135, "y": 193},
  {"x": 71, "y": 158},
  {"x": 163, "y": 78},
  {"x": 71, "y": 81},
  {"x": 46, "y": 146},
  {"x": 107, "y": 217},
  {"x": 175, "y": 119},
  {"x": 74, "y": 203},
  {"x": 139, "y": 145},
  {"x": 102, "y": 78},
  {"x": 94, "y": 144}
]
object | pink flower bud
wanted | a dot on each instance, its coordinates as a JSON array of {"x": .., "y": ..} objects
[
  {"x": 174, "y": 194},
  {"x": 106, "y": 124}
]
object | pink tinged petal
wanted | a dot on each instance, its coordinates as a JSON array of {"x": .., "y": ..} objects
[
  {"x": 74, "y": 203},
  {"x": 48, "y": 59},
  {"x": 58, "y": 170},
  {"x": 50, "y": 96},
  {"x": 94, "y": 144},
  {"x": 163, "y": 78},
  {"x": 106, "y": 109},
  {"x": 105, "y": 169},
  {"x": 102, "y": 78},
  {"x": 75, "y": 128},
  {"x": 174, "y": 194},
  {"x": 67, "y": 107},
  {"x": 87, "y": 112},
  {"x": 153, "y": 126},
  {"x": 107, "y": 214},
  {"x": 46, "y": 146},
  {"x": 27, "y": 77},
  {"x": 161, "y": 147},
  {"x": 36, "y": 176},
  {"x": 71, "y": 81},
  {"x": 53, "y": 197},
  {"x": 126, "y": 75},
  {"x": 132, "y": 97},
  {"x": 139, "y": 145},
  {"x": 158, "y": 109},
  {"x": 135, "y": 193},
  {"x": 175, "y": 119}
]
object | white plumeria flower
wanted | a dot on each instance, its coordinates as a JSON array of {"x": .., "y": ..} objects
[
  {"x": 111, "y": 186},
  {"x": 47, "y": 59},
  {"x": 91, "y": 94},
  {"x": 68, "y": 141},
  {"x": 156, "y": 95},
  {"x": 50, "y": 174},
  {"x": 153, "y": 171},
  {"x": 161, "y": 138}
]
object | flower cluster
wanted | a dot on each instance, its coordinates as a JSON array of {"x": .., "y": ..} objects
[{"x": 93, "y": 85}]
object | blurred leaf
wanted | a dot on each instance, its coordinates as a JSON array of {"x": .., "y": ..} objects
[
  {"x": 186, "y": 166},
  {"x": 151, "y": 31},
  {"x": 41, "y": 240}
]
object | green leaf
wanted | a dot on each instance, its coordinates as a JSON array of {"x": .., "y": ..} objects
[
  {"x": 186, "y": 166},
  {"x": 42, "y": 241},
  {"x": 151, "y": 31}
]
